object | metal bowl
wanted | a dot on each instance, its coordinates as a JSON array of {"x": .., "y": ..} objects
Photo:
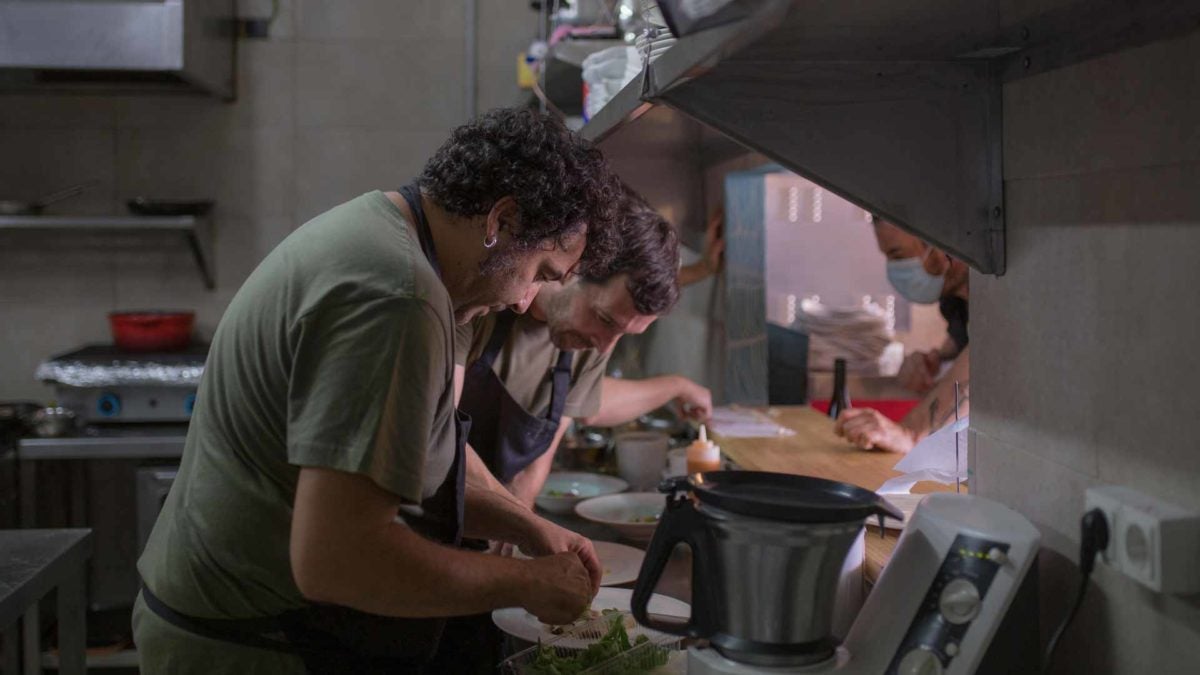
[
  {"x": 587, "y": 449},
  {"x": 53, "y": 422}
]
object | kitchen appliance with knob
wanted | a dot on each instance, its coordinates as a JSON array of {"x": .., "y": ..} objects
[
  {"x": 956, "y": 598},
  {"x": 104, "y": 384}
]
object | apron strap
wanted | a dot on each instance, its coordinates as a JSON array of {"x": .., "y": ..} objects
[
  {"x": 246, "y": 632},
  {"x": 560, "y": 383},
  {"x": 412, "y": 195},
  {"x": 500, "y": 333}
]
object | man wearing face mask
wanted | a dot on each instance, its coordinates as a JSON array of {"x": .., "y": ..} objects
[{"x": 923, "y": 274}]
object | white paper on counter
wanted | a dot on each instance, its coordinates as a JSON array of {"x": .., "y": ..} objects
[
  {"x": 735, "y": 422},
  {"x": 932, "y": 459}
]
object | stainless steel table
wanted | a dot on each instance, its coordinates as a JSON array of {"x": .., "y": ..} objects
[
  {"x": 118, "y": 442},
  {"x": 32, "y": 563}
]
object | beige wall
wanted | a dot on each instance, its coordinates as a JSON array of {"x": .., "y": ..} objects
[
  {"x": 344, "y": 97},
  {"x": 1084, "y": 352}
]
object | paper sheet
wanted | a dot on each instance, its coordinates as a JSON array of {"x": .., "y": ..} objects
[
  {"x": 734, "y": 422},
  {"x": 932, "y": 459}
]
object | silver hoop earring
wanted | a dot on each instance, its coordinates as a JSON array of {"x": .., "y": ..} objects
[{"x": 489, "y": 242}]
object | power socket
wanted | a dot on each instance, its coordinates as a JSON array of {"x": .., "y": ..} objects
[{"x": 1150, "y": 541}]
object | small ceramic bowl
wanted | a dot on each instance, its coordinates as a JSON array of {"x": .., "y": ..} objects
[{"x": 564, "y": 489}]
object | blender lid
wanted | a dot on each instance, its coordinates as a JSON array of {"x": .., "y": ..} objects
[{"x": 788, "y": 497}]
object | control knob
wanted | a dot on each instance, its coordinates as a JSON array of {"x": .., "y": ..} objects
[
  {"x": 108, "y": 405},
  {"x": 920, "y": 662},
  {"x": 959, "y": 602}
]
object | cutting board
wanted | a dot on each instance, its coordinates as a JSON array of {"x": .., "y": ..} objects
[{"x": 814, "y": 451}]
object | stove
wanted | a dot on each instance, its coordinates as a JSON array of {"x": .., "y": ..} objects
[
  {"x": 104, "y": 385},
  {"x": 115, "y": 470}
]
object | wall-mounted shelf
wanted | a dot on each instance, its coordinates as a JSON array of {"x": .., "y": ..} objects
[
  {"x": 894, "y": 106},
  {"x": 194, "y": 231}
]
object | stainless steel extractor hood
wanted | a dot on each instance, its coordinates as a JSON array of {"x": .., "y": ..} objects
[
  {"x": 894, "y": 106},
  {"x": 118, "y": 45}
]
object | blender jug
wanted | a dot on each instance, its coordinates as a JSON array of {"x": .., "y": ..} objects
[{"x": 767, "y": 549}]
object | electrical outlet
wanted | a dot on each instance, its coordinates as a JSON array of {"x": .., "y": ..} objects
[{"x": 1150, "y": 541}]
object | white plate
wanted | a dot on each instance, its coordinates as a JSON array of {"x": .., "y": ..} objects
[
  {"x": 619, "y": 512},
  {"x": 521, "y": 624},
  {"x": 581, "y": 484},
  {"x": 621, "y": 563}
]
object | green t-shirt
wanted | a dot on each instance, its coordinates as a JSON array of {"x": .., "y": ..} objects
[
  {"x": 525, "y": 362},
  {"x": 337, "y": 353}
]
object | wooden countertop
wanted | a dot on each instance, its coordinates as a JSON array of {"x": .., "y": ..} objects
[{"x": 816, "y": 451}]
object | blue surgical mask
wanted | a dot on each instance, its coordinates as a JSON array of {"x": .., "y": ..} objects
[{"x": 909, "y": 278}]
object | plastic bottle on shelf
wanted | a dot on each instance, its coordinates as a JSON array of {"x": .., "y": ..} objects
[{"x": 703, "y": 455}]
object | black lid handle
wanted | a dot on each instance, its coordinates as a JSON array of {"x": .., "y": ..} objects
[{"x": 680, "y": 523}]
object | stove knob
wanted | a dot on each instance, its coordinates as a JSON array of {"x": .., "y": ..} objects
[
  {"x": 959, "y": 602},
  {"x": 108, "y": 405},
  {"x": 920, "y": 661}
]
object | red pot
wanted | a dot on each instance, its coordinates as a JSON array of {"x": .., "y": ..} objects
[{"x": 152, "y": 331}]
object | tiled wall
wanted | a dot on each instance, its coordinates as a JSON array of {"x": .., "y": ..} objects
[
  {"x": 1084, "y": 352},
  {"x": 344, "y": 97}
]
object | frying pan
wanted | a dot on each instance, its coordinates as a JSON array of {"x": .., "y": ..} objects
[
  {"x": 162, "y": 207},
  {"x": 13, "y": 207}
]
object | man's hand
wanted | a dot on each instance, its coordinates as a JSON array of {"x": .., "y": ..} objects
[
  {"x": 870, "y": 430},
  {"x": 919, "y": 371},
  {"x": 560, "y": 589},
  {"x": 713, "y": 257},
  {"x": 545, "y": 538},
  {"x": 694, "y": 400},
  {"x": 714, "y": 242}
]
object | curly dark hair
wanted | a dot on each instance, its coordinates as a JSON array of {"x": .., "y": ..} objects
[
  {"x": 561, "y": 183},
  {"x": 649, "y": 255}
]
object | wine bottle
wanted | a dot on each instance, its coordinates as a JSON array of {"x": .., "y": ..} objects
[{"x": 841, "y": 397}]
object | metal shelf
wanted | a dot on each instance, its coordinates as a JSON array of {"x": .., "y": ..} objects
[
  {"x": 195, "y": 231},
  {"x": 896, "y": 107},
  {"x": 123, "y": 659},
  {"x": 125, "y": 442}
]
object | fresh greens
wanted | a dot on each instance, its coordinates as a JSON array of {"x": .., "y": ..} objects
[
  {"x": 614, "y": 642},
  {"x": 646, "y": 519}
]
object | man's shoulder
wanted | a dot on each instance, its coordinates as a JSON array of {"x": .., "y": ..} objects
[
  {"x": 366, "y": 248},
  {"x": 589, "y": 361},
  {"x": 471, "y": 337}
]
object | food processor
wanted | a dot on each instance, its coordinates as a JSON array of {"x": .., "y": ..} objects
[{"x": 767, "y": 552}]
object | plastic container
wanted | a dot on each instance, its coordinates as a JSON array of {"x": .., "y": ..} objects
[
  {"x": 641, "y": 456},
  {"x": 151, "y": 331}
]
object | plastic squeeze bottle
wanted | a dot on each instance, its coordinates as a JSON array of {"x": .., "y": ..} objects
[{"x": 703, "y": 454}]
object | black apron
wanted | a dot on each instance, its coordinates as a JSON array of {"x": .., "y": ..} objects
[
  {"x": 336, "y": 639},
  {"x": 506, "y": 436},
  {"x": 508, "y": 439}
]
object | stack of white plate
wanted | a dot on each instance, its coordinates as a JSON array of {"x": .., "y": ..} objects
[{"x": 858, "y": 334}]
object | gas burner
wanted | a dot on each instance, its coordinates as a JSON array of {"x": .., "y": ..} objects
[{"x": 103, "y": 384}]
